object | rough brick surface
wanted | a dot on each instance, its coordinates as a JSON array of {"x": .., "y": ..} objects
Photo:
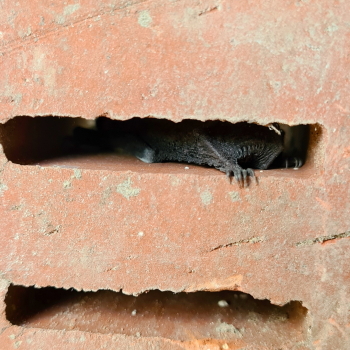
[{"x": 78, "y": 224}]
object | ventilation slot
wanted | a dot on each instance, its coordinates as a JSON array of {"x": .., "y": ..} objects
[
  {"x": 223, "y": 316},
  {"x": 116, "y": 145}
]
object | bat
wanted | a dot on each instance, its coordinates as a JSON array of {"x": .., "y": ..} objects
[{"x": 235, "y": 149}]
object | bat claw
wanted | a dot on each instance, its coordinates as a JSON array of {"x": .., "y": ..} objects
[
  {"x": 242, "y": 176},
  {"x": 245, "y": 178},
  {"x": 238, "y": 176},
  {"x": 229, "y": 176},
  {"x": 293, "y": 162},
  {"x": 252, "y": 174}
]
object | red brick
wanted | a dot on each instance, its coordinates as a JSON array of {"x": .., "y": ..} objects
[{"x": 271, "y": 61}]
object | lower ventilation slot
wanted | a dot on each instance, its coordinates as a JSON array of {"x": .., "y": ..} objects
[{"x": 225, "y": 316}]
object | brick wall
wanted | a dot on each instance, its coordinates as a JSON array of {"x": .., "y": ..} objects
[{"x": 76, "y": 222}]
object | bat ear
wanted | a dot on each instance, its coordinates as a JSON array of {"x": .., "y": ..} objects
[
  {"x": 147, "y": 155},
  {"x": 134, "y": 145},
  {"x": 277, "y": 129}
]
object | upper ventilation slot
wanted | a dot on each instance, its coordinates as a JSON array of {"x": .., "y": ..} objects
[{"x": 231, "y": 148}]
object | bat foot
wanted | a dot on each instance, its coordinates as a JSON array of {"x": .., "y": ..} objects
[
  {"x": 242, "y": 176},
  {"x": 293, "y": 162}
]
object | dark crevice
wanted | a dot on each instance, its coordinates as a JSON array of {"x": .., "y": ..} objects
[
  {"x": 225, "y": 315},
  {"x": 27, "y": 140}
]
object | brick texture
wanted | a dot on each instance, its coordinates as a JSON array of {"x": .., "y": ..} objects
[{"x": 111, "y": 223}]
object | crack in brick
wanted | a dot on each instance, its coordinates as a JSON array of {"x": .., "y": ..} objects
[
  {"x": 34, "y": 36},
  {"x": 55, "y": 230},
  {"x": 252, "y": 240},
  {"x": 208, "y": 10},
  {"x": 323, "y": 239}
]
